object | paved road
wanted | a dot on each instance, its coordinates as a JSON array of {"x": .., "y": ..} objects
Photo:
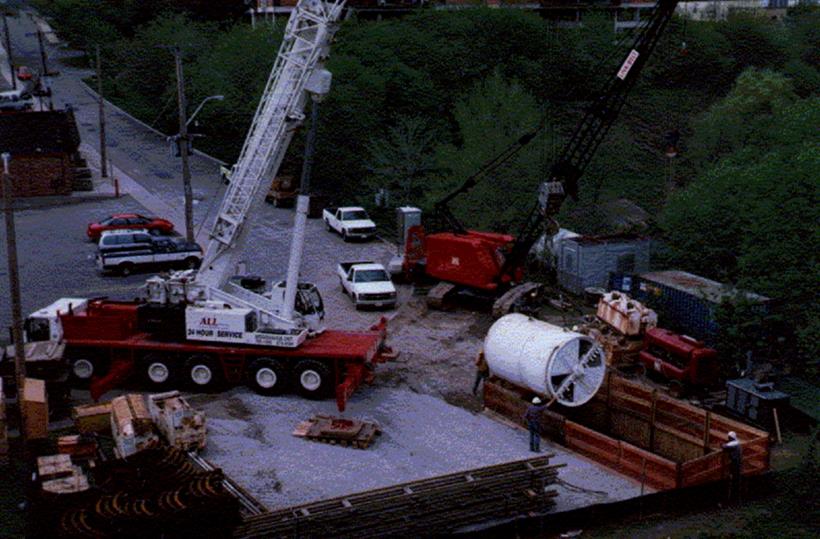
[
  {"x": 56, "y": 259},
  {"x": 55, "y": 256}
]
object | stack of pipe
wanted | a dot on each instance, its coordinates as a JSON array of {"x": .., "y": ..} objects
[{"x": 435, "y": 506}]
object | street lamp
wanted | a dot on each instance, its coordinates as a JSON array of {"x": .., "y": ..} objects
[
  {"x": 209, "y": 98},
  {"x": 182, "y": 140}
]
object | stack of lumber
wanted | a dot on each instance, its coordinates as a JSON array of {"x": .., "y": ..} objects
[
  {"x": 58, "y": 475},
  {"x": 181, "y": 425},
  {"x": 92, "y": 418},
  {"x": 132, "y": 426},
  {"x": 35, "y": 405},
  {"x": 435, "y": 506},
  {"x": 78, "y": 446},
  {"x": 336, "y": 430}
]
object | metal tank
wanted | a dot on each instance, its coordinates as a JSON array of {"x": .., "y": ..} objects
[{"x": 546, "y": 359}]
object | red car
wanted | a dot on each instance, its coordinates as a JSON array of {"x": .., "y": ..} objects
[
  {"x": 24, "y": 73},
  {"x": 128, "y": 220}
]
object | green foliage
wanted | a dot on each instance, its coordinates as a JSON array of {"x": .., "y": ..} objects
[
  {"x": 754, "y": 41},
  {"x": 490, "y": 117},
  {"x": 751, "y": 218},
  {"x": 146, "y": 79},
  {"x": 225, "y": 68},
  {"x": 747, "y": 113},
  {"x": 402, "y": 160}
]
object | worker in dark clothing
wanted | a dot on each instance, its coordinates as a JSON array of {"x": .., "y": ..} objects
[
  {"x": 735, "y": 453},
  {"x": 482, "y": 370},
  {"x": 533, "y": 418}
]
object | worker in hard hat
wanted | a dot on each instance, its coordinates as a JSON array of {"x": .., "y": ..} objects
[
  {"x": 735, "y": 454},
  {"x": 482, "y": 370},
  {"x": 533, "y": 418}
]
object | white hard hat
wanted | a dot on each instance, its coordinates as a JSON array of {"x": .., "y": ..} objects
[
  {"x": 732, "y": 435},
  {"x": 536, "y": 400}
]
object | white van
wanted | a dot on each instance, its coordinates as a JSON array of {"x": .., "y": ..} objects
[{"x": 16, "y": 100}]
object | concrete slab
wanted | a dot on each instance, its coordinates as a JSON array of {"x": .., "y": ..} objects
[{"x": 249, "y": 437}]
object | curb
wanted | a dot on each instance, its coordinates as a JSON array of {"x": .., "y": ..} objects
[
  {"x": 24, "y": 204},
  {"x": 96, "y": 96}
]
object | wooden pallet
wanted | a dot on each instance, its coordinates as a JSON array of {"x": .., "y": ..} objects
[{"x": 338, "y": 431}]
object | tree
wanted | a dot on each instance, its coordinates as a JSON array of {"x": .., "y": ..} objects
[
  {"x": 491, "y": 117},
  {"x": 402, "y": 159},
  {"x": 751, "y": 217},
  {"x": 747, "y": 114}
]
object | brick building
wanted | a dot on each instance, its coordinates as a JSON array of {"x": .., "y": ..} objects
[{"x": 43, "y": 148}]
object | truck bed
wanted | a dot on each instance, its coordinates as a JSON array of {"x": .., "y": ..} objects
[{"x": 347, "y": 265}]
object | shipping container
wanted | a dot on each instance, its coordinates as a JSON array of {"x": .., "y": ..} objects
[{"x": 685, "y": 302}]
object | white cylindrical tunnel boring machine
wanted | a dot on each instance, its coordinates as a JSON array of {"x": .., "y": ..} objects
[{"x": 546, "y": 359}]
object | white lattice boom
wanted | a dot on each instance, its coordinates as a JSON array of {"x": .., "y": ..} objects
[{"x": 297, "y": 71}]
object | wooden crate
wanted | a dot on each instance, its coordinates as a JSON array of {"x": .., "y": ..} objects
[
  {"x": 54, "y": 466},
  {"x": 35, "y": 406},
  {"x": 131, "y": 425},
  {"x": 182, "y": 426},
  {"x": 91, "y": 418},
  {"x": 77, "y": 446}
]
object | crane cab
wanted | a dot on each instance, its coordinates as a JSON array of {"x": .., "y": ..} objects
[
  {"x": 309, "y": 304},
  {"x": 44, "y": 324}
]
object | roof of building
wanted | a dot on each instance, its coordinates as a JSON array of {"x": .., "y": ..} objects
[
  {"x": 27, "y": 133},
  {"x": 710, "y": 290}
]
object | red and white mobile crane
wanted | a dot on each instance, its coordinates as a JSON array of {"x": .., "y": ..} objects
[
  {"x": 208, "y": 327},
  {"x": 492, "y": 265}
]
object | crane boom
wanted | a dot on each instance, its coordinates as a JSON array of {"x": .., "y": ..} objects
[
  {"x": 587, "y": 136},
  {"x": 297, "y": 73}
]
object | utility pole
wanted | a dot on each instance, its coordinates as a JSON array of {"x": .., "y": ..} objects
[
  {"x": 14, "y": 286},
  {"x": 42, "y": 52},
  {"x": 43, "y": 57},
  {"x": 182, "y": 142},
  {"x": 8, "y": 51},
  {"x": 103, "y": 158}
]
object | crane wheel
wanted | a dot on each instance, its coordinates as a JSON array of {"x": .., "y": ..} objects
[
  {"x": 203, "y": 373},
  {"x": 82, "y": 366},
  {"x": 157, "y": 371},
  {"x": 268, "y": 376},
  {"x": 313, "y": 379}
]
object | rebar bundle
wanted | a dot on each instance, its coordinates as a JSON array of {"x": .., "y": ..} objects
[{"x": 420, "y": 508}]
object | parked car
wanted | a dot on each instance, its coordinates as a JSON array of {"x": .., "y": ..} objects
[
  {"x": 349, "y": 222},
  {"x": 24, "y": 73},
  {"x": 121, "y": 221},
  {"x": 118, "y": 240},
  {"x": 16, "y": 101},
  {"x": 367, "y": 284},
  {"x": 124, "y": 251}
]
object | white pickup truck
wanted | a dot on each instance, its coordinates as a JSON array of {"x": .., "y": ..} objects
[
  {"x": 368, "y": 284},
  {"x": 350, "y": 222}
]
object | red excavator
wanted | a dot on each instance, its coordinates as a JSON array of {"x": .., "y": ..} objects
[{"x": 492, "y": 265}]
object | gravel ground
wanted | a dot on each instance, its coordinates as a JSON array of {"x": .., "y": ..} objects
[{"x": 250, "y": 437}]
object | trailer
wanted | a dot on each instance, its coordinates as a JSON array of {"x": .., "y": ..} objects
[{"x": 106, "y": 345}]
